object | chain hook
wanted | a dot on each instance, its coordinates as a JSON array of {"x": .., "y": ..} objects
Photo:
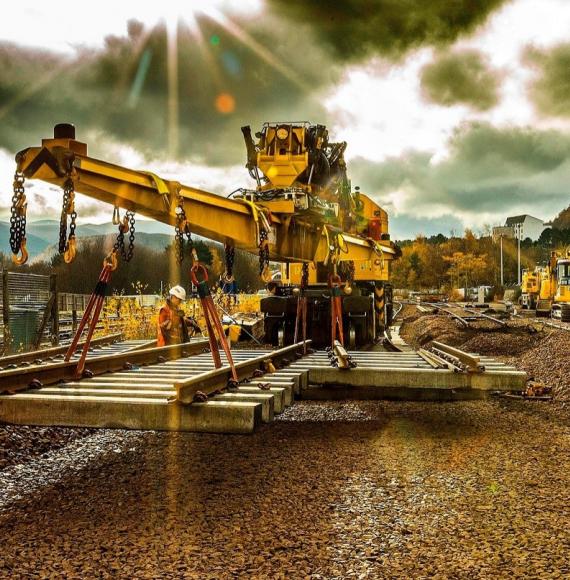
[
  {"x": 110, "y": 260},
  {"x": 182, "y": 228},
  {"x": 67, "y": 241},
  {"x": 23, "y": 258},
  {"x": 70, "y": 250}
]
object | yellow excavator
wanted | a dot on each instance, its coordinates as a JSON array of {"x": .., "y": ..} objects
[
  {"x": 554, "y": 287},
  {"x": 561, "y": 305},
  {"x": 302, "y": 211},
  {"x": 547, "y": 286}
]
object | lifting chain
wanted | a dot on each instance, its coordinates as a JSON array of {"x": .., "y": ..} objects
[
  {"x": 230, "y": 254},
  {"x": 128, "y": 224},
  {"x": 181, "y": 228},
  {"x": 304, "y": 275},
  {"x": 264, "y": 271},
  {"x": 347, "y": 269},
  {"x": 67, "y": 241},
  {"x": 351, "y": 271},
  {"x": 18, "y": 220}
]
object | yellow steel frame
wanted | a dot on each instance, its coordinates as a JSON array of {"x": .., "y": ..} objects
[{"x": 212, "y": 216}]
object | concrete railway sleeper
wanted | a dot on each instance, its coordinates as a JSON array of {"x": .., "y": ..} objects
[
  {"x": 185, "y": 393},
  {"x": 180, "y": 389}
]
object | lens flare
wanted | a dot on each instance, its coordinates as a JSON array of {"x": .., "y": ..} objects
[{"x": 225, "y": 103}]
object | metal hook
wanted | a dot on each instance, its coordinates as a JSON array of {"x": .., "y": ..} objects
[{"x": 23, "y": 258}]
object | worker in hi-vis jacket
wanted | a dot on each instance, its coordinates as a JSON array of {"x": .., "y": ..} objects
[{"x": 174, "y": 327}]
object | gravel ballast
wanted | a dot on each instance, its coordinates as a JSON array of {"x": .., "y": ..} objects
[{"x": 330, "y": 490}]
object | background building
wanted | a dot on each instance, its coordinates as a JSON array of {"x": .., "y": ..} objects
[{"x": 529, "y": 227}]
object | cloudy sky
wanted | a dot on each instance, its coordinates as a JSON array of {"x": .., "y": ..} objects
[{"x": 455, "y": 115}]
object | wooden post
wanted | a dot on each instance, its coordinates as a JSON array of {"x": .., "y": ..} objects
[
  {"x": 54, "y": 309},
  {"x": 6, "y": 312}
]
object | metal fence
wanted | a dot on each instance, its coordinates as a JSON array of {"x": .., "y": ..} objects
[{"x": 29, "y": 311}]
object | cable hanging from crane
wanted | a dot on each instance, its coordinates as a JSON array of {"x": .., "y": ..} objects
[
  {"x": 337, "y": 331},
  {"x": 92, "y": 312}
]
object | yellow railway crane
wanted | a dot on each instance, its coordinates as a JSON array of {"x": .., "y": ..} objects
[{"x": 303, "y": 210}]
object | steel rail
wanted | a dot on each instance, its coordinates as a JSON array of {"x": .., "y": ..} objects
[
  {"x": 395, "y": 314},
  {"x": 483, "y": 315},
  {"x": 215, "y": 380},
  {"x": 45, "y": 353},
  {"x": 14, "y": 380},
  {"x": 545, "y": 322},
  {"x": 388, "y": 344},
  {"x": 452, "y": 314}
]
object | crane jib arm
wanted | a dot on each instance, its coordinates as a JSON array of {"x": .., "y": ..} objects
[{"x": 229, "y": 221}]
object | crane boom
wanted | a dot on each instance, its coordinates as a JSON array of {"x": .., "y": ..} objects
[{"x": 292, "y": 237}]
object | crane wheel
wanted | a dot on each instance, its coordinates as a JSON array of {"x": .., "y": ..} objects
[{"x": 352, "y": 337}]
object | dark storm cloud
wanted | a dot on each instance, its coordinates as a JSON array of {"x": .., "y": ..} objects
[
  {"x": 122, "y": 90},
  {"x": 550, "y": 90},
  {"x": 354, "y": 29},
  {"x": 491, "y": 170},
  {"x": 461, "y": 78}
]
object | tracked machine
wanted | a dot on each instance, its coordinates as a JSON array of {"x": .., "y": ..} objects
[
  {"x": 332, "y": 239},
  {"x": 561, "y": 305}
]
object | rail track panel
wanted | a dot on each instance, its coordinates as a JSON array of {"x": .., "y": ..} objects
[
  {"x": 161, "y": 396},
  {"x": 404, "y": 376},
  {"x": 178, "y": 388}
]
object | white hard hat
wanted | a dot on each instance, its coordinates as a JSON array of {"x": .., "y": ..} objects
[{"x": 179, "y": 292}]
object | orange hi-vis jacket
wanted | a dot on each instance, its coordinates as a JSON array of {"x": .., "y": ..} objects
[{"x": 172, "y": 333}]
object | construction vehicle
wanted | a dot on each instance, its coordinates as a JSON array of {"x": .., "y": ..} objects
[
  {"x": 554, "y": 287},
  {"x": 303, "y": 210},
  {"x": 530, "y": 288},
  {"x": 547, "y": 290},
  {"x": 561, "y": 305},
  {"x": 297, "y": 160}
]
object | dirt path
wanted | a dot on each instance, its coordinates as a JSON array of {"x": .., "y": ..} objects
[{"x": 332, "y": 490}]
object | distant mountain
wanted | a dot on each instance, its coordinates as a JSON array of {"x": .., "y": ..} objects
[
  {"x": 155, "y": 242},
  {"x": 34, "y": 244},
  {"x": 41, "y": 234}
]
